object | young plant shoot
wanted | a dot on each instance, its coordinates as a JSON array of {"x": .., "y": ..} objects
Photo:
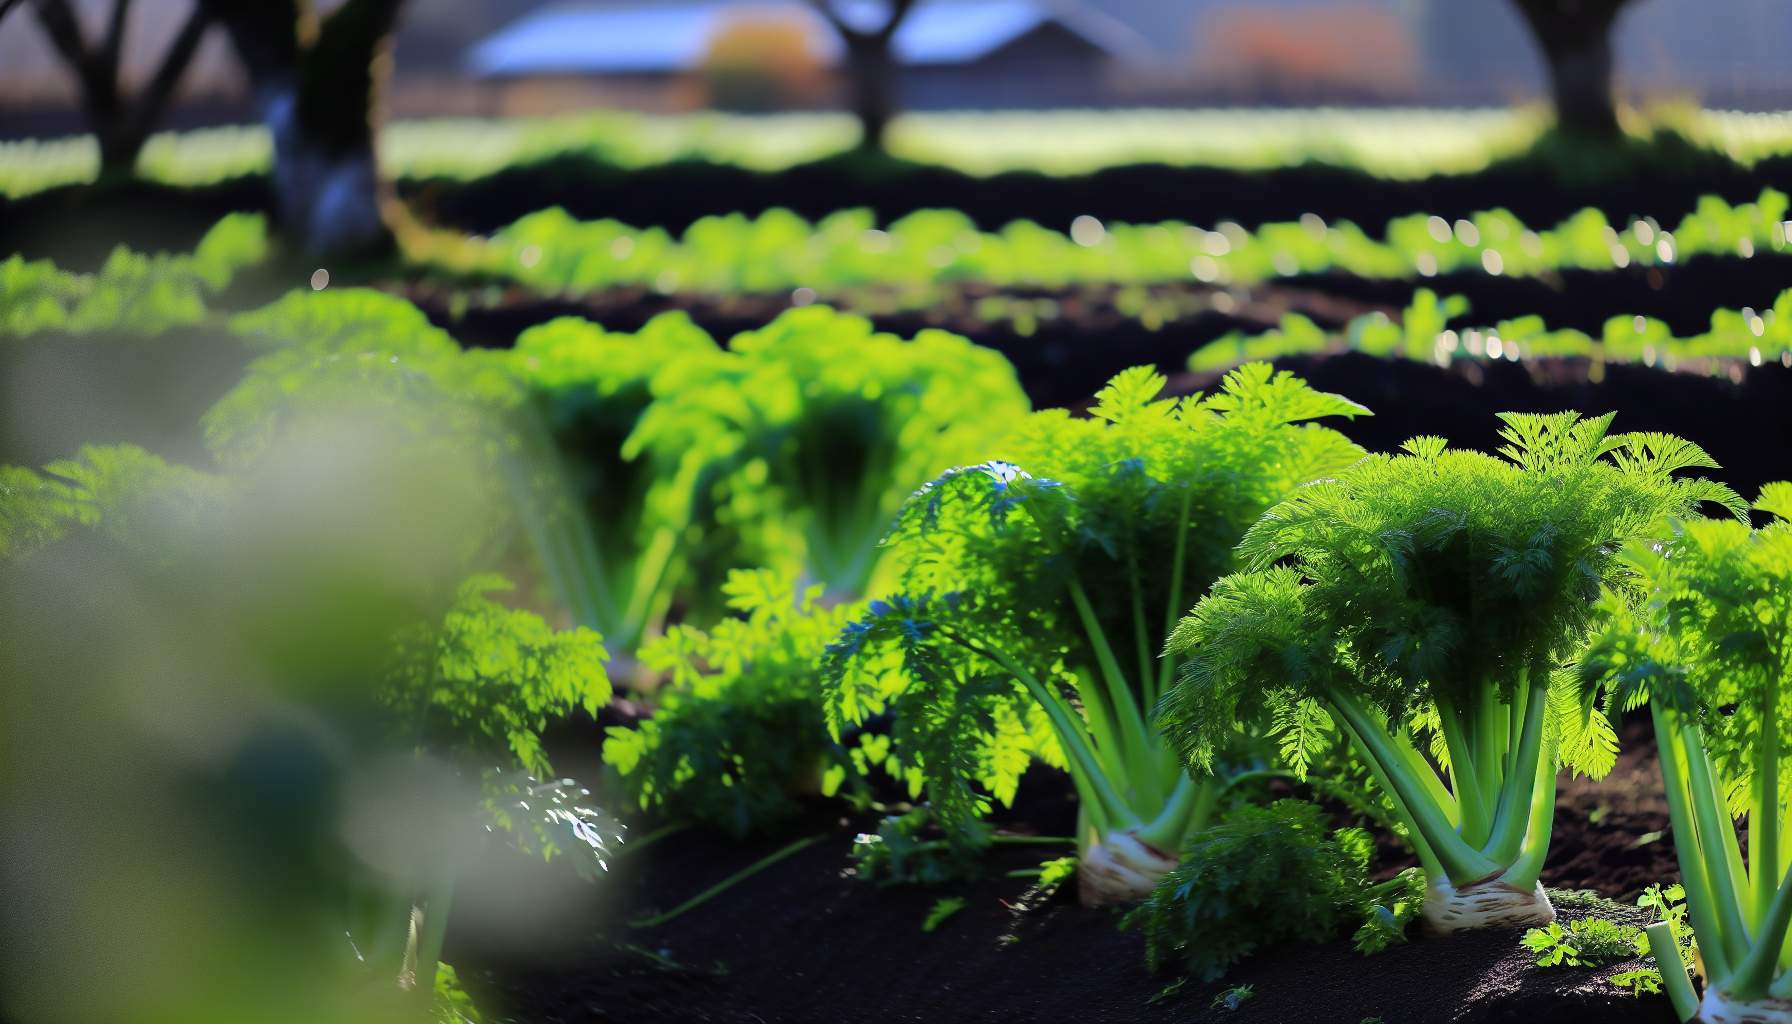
[
  {"x": 1437, "y": 594},
  {"x": 1037, "y": 593},
  {"x": 1710, "y": 649}
]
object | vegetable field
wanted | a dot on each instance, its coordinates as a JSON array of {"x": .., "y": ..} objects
[{"x": 1319, "y": 565}]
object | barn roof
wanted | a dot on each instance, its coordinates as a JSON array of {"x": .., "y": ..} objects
[{"x": 659, "y": 37}]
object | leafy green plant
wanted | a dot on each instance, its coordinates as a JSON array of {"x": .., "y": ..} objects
[
  {"x": 1430, "y": 599},
  {"x": 1262, "y": 876},
  {"x": 1037, "y": 592},
  {"x": 133, "y": 293},
  {"x": 846, "y": 422},
  {"x": 494, "y": 676},
  {"x": 1587, "y": 942},
  {"x": 1708, "y": 650},
  {"x": 131, "y": 496},
  {"x": 612, "y": 468},
  {"x": 603, "y": 510},
  {"x": 848, "y": 257},
  {"x": 478, "y": 688},
  {"x": 1735, "y": 336},
  {"x": 738, "y": 735}
]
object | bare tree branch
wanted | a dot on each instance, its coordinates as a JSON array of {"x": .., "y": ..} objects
[
  {"x": 112, "y": 46},
  {"x": 826, "y": 9},
  {"x": 160, "y": 88},
  {"x": 58, "y": 20},
  {"x": 898, "y": 10},
  {"x": 59, "y": 23}
]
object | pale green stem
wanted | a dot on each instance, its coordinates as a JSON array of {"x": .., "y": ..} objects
[
  {"x": 1764, "y": 809},
  {"x": 1427, "y": 775},
  {"x": 1170, "y": 824},
  {"x": 1465, "y": 782},
  {"x": 1455, "y": 859},
  {"x": 429, "y": 940},
  {"x": 1491, "y": 729},
  {"x": 1673, "y": 970},
  {"x": 1147, "y": 670},
  {"x": 1755, "y": 973},
  {"x": 725, "y": 884},
  {"x": 1071, "y": 736},
  {"x": 1101, "y": 726},
  {"x": 1711, "y": 818},
  {"x": 1129, "y": 722},
  {"x": 1701, "y": 900},
  {"x": 1528, "y": 866},
  {"x": 1173, "y": 610},
  {"x": 1512, "y": 818}
]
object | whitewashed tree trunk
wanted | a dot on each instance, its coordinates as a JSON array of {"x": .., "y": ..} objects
[{"x": 328, "y": 202}]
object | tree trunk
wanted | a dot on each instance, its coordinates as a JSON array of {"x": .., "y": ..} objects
[
  {"x": 1575, "y": 37},
  {"x": 120, "y": 145},
  {"x": 319, "y": 103},
  {"x": 872, "y": 74},
  {"x": 1580, "y": 80}
]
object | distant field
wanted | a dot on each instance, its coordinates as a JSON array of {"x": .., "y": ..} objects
[{"x": 1387, "y": 143}]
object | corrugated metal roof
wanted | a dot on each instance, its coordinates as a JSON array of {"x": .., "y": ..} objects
[{"x": 620, "y": 39}]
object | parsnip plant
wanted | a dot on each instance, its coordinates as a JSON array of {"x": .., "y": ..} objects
[
  {"x": 1038, "y": 590},
  {"x": 841, "y": 423},
  {"x": 610, "y": 472},
  {"x": 1425, "y": 604},
  {"x": 1709, "y": 648}
]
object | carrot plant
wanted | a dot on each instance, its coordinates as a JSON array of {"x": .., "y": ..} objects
[
  {"x": 1038, "y": 590},
  {"x": 1708, "y": 649},
  {"x": 1424, "y": 604},
  {"x": 737, "y": 736}
]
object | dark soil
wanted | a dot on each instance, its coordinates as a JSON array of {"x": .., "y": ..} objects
[
  {"x": 1664, "y": 183},
  {"x": 805, "y": 941},
  {"x": 1741, "y": 423},
  {"x": 1061, "y": 361},
  {"x": 1663, "y": 180}
]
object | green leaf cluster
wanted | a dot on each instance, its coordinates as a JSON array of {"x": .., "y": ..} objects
[
  {"x": 737, "y": 735},
  {"x": 490, "y": 678},
  {"x": 1706, "y": 648},
  {"x": 134, "y": 498},
  {"x": 1436, "y": 593},
  {"x": 1267, "y": 875},
  {"x": 1586, "y": 942},
  {"x": 135, "y": 293},
  {"x": 906, "y": 260},
  {"x": 1038, "y": 588},
  {"x": 847, "y": 421}
]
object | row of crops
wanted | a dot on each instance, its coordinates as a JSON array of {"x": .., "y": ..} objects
[
  {"x": 1391, "y": 143},
  {"x": 156, "y": 293},
  {"x": 818, "y": 564},
  {"x": 778, "y": 251}
]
